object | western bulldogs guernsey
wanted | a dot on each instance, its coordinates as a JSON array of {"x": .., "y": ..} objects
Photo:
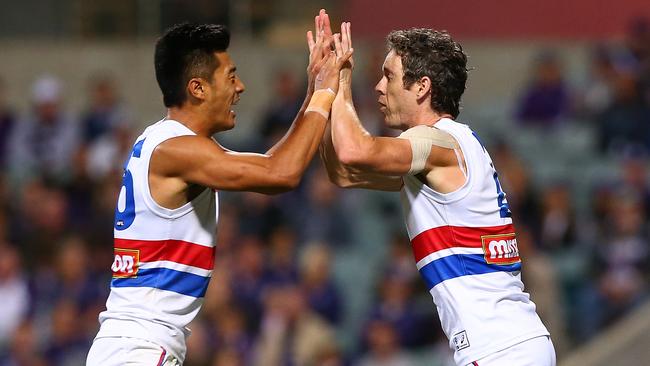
[
  {"x": 465, "y": 248},
  {"x": 163, "y": 258}
]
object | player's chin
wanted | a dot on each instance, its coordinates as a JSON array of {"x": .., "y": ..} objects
[
  {"x": 390, "y": 121},
  {"x": 230, "y": 121},
  {"x": 230, "y": 125},
  {"x": 233, "y": 118},
  {"x": 225, "y": 124}
]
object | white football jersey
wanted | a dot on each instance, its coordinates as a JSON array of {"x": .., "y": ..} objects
[
  {"x": 163, "y": 258},
  {"x": 465, "y": 248}
]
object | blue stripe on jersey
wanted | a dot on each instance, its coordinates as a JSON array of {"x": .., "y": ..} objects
[
  {"x": 461, "y": 265},
  {"x": 137, "y": 148},
  {"x": 166, "y": 279}
]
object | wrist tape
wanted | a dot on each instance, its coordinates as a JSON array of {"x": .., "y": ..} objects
[{"x": 321, "y": 102}]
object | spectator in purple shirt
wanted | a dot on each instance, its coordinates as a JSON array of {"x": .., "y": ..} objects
[{"x": 546, "y": 99}]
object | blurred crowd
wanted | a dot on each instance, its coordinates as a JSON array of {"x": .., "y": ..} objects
[
  {"x": 281, "y": 293},
  {"x": 615, "y": 96},
  {"x": 599, "y": 253}
]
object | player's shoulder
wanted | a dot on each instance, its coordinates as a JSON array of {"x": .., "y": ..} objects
[
  {"x": 181, "y": 154},
  {"x": 188, "y": 143},
  {"x": 449, "y": 125},
  {"x": 167, "y": 127},
  {"x": 162, "y": 132},
  {"x": 439, "y": 138}
]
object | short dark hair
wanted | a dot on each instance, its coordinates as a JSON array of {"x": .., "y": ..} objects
[
  {"x": 186, "y": 51},
  {"x": 426, "y": 52}
]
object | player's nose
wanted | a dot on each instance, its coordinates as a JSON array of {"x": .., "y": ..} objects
[
  {"x": 240, "y": 87},
  {"x": 380, "y": 87}
]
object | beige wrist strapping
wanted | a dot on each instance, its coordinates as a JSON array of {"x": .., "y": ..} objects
[{"x": 321, "y": 102}]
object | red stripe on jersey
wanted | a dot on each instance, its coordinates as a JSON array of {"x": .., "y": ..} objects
[
  {"x": 178, "y": 251},
  {"x": 162, "y": 357},
  {"x": 444, "y": 237}
]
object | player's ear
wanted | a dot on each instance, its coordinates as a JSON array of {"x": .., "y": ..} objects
[
  {"x": 423, "y": 86},
  {"x": 196, "y": 88}
]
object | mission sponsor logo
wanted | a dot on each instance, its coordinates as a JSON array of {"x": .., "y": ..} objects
[
  {"x": 500, "y": 249},
  {"x": 125, "y": 263}
]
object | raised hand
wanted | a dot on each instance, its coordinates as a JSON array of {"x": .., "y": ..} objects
[
  {"x": 321, "y": 23},
  {"x": 324, "y": 63},
  {"x": 343, "y": 44},
  {"x": 329, "y": 72},
  {"x": 320, "y": 45}
]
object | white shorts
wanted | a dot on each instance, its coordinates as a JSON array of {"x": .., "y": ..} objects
[
  {"x": 120, "y": 351},
  {"x": 538, "y": 351}
]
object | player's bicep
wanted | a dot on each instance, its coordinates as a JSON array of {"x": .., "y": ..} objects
[
  {"x": 431, "y": 148},
  {"x": 384, "y": 155},
  {"x": 200, "y": 160},
  {"x": 400, "y": 156}
]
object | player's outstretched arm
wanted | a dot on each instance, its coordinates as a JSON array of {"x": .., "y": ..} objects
[
  {"x": 319, "y": 43},
  {"x": 199, "y": 160},
  {"x": 349, "y": 177},
  {"x": 342, "y": 175},
  {"x": 351, "y": 149}
]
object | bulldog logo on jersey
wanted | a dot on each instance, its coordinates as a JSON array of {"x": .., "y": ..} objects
[
  {"x": 126, "y": 263},
  {"x": 460, "y": 340},
  {"x": 500, "y": 249}
]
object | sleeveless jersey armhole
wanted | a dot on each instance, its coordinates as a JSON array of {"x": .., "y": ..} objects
[
  {"x": 175, "y": 129},
  {"x": 461, "y": 156}
]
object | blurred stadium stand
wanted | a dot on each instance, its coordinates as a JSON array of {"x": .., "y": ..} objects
[{"x": 625, "y": 343}]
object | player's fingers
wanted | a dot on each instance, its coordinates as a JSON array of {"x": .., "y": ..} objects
[
  {"x": 320, "y": 63},
  {"x": 337, "y": 45},
  {"x": 317, "y": 52},
  {"x": 327, "y": 43},
  {"x": 327, "y": 28},
  {"x": 343, "y": 59},
  {"x": 317, "y": 27},
  {"x": 332, "y": 59},
  {"x": 310, "y": 41},
  {"x": 344, "y": 37},
  {"x": 347, "y": 35}
]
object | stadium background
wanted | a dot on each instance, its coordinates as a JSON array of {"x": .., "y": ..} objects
[{"x": 560, "y": 92}]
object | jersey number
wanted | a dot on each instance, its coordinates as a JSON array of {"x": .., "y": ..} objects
[
  {"x": 124, "y": 218},
  {"x": 504, "y": 207}
]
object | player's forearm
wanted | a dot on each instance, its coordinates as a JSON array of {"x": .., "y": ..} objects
[
  {"x": 290, "y": 157},
  {"x": 335, "y": 170},
  {"x": 301, "y": 111},
  {"x": 293, "y": 153},
  {"x": 376, "y": 182},
  {"x": 351, "y": 140},
  {"x": 348, "y": 177},
  {"x": 345, "y": 85}
]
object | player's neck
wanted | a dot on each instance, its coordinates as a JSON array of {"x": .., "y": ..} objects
[
  {"x": 429, "y": 118},
  {"x": 191, "y": 119}
]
